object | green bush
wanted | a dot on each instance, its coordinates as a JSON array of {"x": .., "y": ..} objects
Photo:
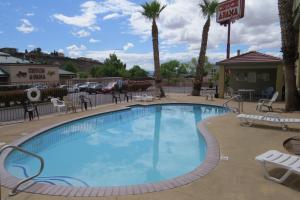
[{"x": 18, "y": 96}]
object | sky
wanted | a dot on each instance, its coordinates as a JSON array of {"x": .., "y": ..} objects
[{"x": 95, "y": 29}]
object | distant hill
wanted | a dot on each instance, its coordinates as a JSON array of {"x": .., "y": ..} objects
[{"x": 83, "y": 64}]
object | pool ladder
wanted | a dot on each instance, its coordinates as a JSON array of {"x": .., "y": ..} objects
[
  {"x": 15, "y": 188},
  {"x": 237, "y": 98}
]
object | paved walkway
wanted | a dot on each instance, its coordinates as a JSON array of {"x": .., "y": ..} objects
[{"x": 238, "y": 175}]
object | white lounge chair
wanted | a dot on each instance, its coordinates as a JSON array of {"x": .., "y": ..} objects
[
  {"x": 143, "y": 97},
  {"x": 147, "y": 98},
  {"x": 248, "y": 120},
  {"x": 137, "y": 98},
  {"x": 58, "y": 104},
  {"x": 267, "y": 102},
  {"x": 286, "y": 161}
]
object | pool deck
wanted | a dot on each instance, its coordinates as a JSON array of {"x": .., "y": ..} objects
[{"x": 237, "y": 176}]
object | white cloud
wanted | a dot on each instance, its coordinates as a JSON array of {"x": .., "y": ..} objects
[
  {"x": 76, "y": 51},
  {"x": 60, "y": 51},
  {"x": 129, "y": 45},
  {"x": 81, "y": 33},
  {"x": 145, "y": 60},
  {"x": 30, "y": 14},
  {"x": 26, "y": 26},
  {"x": 112, "y": 16},
  {"x": 92, "y": 40},
  {"x": 186, "y": 27},
  {"x": 30, "y": 46},
  {"x": 181, "y": 23}
]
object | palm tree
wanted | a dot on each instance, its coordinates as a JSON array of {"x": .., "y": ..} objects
[
  {"x": 152, "y": 11},
  {"x": 289, "y": 50},
  {"x": 208, "y": 8}
]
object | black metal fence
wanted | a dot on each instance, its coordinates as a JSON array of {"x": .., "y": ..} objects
[{"x": 17, "y": 113}]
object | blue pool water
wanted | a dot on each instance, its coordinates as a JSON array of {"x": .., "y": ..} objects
[{"x": 143, "y": 144}]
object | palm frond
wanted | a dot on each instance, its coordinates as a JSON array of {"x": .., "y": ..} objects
[
  {"x": 152, "y": 10},
  {"x": 208, "y": 7}
]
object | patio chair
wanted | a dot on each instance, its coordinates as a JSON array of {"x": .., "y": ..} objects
[
  {"x": 275, "y": 158},
  {"x": 229, "y": 93},
  {"x": 31, "y": 110},
  {"x": 267, "y": 103},
  {"x": 248, "y": 120},
  {"x": 127, "y": 96},
  {"x": 147, "y": 98},
  {"x": 84, "y": 101},
  {"x": 58, "y": 104},
  {"x": 116, "y": 96},
  {"x": 69, "y": 104},
  {"x": 137, "y": 98}
]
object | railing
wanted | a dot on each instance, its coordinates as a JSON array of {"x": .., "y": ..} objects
[
  {"x": 14, "y": 190},
  {"x": 237, "y": 98}
]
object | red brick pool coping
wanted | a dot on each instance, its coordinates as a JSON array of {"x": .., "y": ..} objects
[{"x": 210, "y": 162}]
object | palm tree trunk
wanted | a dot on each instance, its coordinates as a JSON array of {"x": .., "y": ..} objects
[
  {"x": 289, "y": 50},
  {"x": 201, "y": 60},
  {"x": 158, "y": 81}
]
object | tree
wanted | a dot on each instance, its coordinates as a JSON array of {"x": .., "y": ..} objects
[
  {"x": 152, "y": 11},
  {"x": 137, "y": 72},
  {"x": 83, "y": 75},
  {"x": 208, "y": 9},
  {"x": 70, "y": 67},
  {"x": 112, "y": 67},
  {"x": 169, "y": 70},
  {"x": 289, "y": 50},
  {"x": 114, "y": 61},
  {"x": 96, "y": 71}
]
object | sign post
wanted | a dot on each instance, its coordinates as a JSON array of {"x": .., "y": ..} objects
[{"x": 228, "y": 12}]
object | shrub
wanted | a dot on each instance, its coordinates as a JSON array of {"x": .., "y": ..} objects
[{"x": 138, "y": 85}]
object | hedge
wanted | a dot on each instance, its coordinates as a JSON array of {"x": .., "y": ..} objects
[
  {"x": 18, "y": 96},
  {"x": 138, "y": 85}
]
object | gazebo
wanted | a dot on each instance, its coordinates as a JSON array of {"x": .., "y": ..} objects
[{"x": 251, "y": 71}]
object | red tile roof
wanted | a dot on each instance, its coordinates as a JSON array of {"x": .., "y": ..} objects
[{"x": 250, "y": 57}]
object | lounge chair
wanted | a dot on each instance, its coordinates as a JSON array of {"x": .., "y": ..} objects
[
  {"x": 286, "y": 161},
  {"x": 148, "y": 98},
  {"x": 58, "y": 104},
  {"x": 248, "y": 120},
  {"x": 267, "y": 102},
  {"x": 137, "y": 98}
]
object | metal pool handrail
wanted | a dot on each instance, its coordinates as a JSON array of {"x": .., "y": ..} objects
[
  {"x": 238, "y": 98},
  {"x": 14, "y": 190}
]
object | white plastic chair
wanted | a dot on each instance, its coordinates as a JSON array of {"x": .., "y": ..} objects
[
  {"x": 58, "y": 104},
  {"x": 267, "y": 102},
  {"x": 286, "y": 161}
]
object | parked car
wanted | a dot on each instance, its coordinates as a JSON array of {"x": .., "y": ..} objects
[
  {"x": 39, "y": 86},
  {"x": 84, "y": 87},
  {"x": 109, "y": 87},
  {"x": 71, "y": 89},
  {"x": 95, "y": 88}
]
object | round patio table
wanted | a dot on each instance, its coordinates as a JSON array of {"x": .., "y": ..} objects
[{"x": 249, "y": 91}]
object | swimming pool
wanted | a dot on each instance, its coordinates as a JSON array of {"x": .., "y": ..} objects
[{"x": 138, "y": 145}]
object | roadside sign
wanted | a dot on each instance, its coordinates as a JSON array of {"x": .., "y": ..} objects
[{"x": 230, "y": 10}]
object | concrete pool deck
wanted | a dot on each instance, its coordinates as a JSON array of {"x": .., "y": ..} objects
[{"x": 237, "y": 176}]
